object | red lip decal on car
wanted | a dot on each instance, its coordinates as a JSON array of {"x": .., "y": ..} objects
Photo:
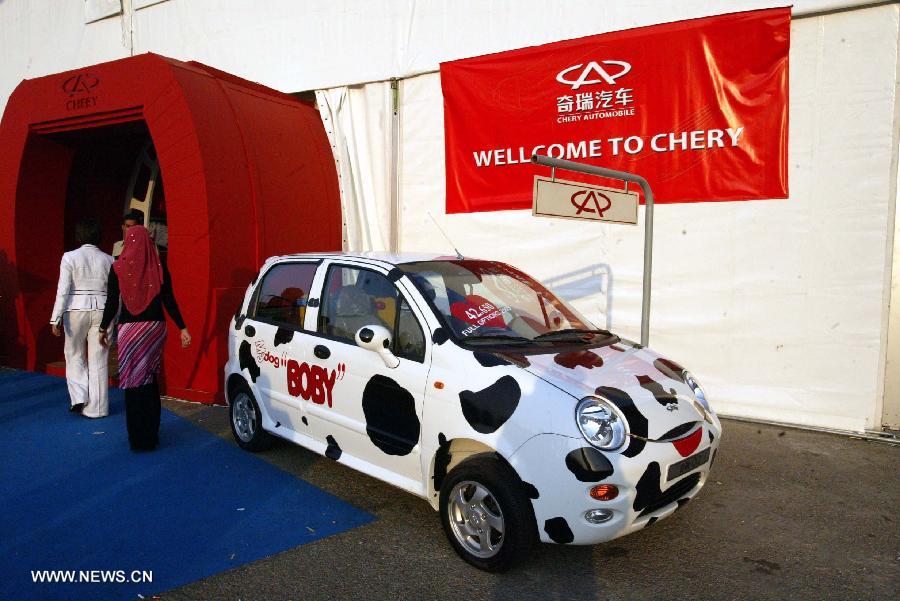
[{"x": 687, "y": 445}]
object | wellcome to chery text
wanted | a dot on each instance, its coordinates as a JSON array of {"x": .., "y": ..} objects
[{"x": 661, "y": 142}]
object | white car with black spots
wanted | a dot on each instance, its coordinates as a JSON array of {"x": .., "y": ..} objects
[{"x": 469, "y": 384}]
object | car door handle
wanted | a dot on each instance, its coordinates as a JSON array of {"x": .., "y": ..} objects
[{"x": 321, "y": 351}]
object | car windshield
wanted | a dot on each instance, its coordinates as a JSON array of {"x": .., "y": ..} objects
[{"x": 493, "y": 302}]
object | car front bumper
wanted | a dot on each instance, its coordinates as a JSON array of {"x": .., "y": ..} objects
[{"x": 645, "y": 494}]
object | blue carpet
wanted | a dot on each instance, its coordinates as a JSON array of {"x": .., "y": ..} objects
[{"x": 76, "y": 498}]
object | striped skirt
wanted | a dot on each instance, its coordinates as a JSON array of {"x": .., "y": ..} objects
[{"x": 140, "y": 352}]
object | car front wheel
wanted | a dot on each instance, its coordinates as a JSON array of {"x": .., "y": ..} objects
[
  {"x": 246, "y": 422},
  {"x": 486, "y": 515}
]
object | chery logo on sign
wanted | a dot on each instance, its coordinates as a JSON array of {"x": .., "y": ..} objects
[
  {"x": 590, "y": 197},
  {"x": 575, "y": 200},
  {"x": 80, "y": 90},
  {"x": 593, "y": 69}
]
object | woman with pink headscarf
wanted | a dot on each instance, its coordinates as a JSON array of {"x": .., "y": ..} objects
[{"x": 145, "y": 287}]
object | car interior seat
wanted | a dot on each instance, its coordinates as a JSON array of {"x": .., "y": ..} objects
[{"x": 353, "y": 309}]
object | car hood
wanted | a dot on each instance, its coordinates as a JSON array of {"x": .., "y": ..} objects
[{"x": 624, "y": 373}]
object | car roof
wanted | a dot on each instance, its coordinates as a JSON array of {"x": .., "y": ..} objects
[{"x": 386, "y": 258}]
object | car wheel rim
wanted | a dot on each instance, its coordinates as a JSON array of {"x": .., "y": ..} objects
[
  {"x": 476, "y": 519},
  {"x": 243, "y": 417}
]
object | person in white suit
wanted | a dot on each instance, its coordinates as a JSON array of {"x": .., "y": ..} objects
[{"x": 80, "y": 298}]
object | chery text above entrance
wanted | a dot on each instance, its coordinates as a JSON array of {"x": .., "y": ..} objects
[{"x": 235, "y": 160}]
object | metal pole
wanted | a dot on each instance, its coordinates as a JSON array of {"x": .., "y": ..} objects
[
  {"x": 394, "y": 168},
  {"x": 648, "y": 222}
]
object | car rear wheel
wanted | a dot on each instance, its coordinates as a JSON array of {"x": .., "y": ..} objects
[
  {"x": 246, "y": 422},
  {"x": 486, "y": 515}
]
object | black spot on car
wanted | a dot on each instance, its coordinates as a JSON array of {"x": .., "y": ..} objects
[
  {"x": 531, "y": 490},
  {"x": 650, "y": 522},
  {"x": 585, "y": 359},
  {"x": 650, "y": 498},
  {"x": 333, "y": 451},
  {"x": 486, "y": 410},
  {"x": 441, "y": 461},
  {"x": 659, "y": 393},
  {"x": 395, "y": 274},
  {"x": 277, "y": 424},
  {"x": 249, "y": 331},
  {"x": 283, "y": 336},
  {"x": 366, "y": 334},
  {"x": 647, "y": 487},
  {"x": 558, "y": 530},
  {"x": 678, "y": 431},
  {"x": 670, "y": 369},
  {"x": 440, "y": 336},
  {"x": 239, "y": 321},
  {"x": 304, "y": 420},
  {"x": 490, "y": 359},
  {"x": 391, "y": 420},
  {"x": 245, "y": 357},
  {"x": 637, "y": 423},
  {"x": 588, "y": 464},
  {"x": 711, "y": 436}
]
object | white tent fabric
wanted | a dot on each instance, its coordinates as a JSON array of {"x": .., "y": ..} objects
[
  {"x": 357, "y": 122},
  {"x": 293, "y": 45},
  {"x": 779, "y": 307}
]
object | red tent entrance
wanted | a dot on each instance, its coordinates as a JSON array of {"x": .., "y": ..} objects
[{"x": 245, "y": 172}]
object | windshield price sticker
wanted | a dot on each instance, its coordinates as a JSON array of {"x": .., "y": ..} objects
[
  {"x": 485, "y": 313},
  {"x": 575, "y": 200}
]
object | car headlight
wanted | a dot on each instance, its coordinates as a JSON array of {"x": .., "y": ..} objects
[
  {"x": 601, "y": 423},
  {"x": 699, "y": 394}
]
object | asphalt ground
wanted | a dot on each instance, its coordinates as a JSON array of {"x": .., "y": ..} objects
[{"x": 786, "y": 514}]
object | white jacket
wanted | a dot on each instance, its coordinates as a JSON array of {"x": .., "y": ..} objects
[{"x": 82, "y": 281}]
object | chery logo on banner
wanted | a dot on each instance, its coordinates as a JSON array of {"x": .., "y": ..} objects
[
  {"x": 593, "y": 67},
  {"x": 699, "y": 108}
]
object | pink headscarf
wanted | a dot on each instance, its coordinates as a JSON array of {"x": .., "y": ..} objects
[{"x": 138, "y": 269}]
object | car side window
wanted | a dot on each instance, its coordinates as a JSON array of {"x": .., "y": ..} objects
[
  {"x": 354, "y": 298},
  {"x": 409, "y": 340},
  {"x": 283, "y": 293}
]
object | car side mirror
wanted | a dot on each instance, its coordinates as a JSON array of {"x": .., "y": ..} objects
[{"x": 377, "y": 339}]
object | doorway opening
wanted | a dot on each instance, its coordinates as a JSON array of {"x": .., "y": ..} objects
[{"x": 114, "y": 170}]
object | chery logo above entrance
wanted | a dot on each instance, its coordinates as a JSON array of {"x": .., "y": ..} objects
[
  {"x": 594, "y": 69},
  {"x": 80, "y": 90},
  {"x": 82, "y": 83}
]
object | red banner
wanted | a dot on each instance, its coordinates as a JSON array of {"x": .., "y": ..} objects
[{"x": 699, "y": 108}]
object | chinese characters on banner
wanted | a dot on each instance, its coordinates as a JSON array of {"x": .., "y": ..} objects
[{"x": 699, "y": 108}]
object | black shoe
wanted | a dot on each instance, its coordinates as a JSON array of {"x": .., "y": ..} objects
[{"x": 76, "y": 408}]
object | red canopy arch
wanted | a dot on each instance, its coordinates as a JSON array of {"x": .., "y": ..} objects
[{"x": 248, "y": 173}]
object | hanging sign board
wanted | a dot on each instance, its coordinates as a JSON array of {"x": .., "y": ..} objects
[
  {"x": 698, "y": 107},
  {"x": 575, "y": 200}
]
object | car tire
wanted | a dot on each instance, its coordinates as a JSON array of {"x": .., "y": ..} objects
[
  {"x": 246, "y": 421},
  {"x": 473, "y": 496}
]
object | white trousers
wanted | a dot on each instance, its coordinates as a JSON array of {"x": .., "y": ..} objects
[{"x": 87, "y": 364}]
